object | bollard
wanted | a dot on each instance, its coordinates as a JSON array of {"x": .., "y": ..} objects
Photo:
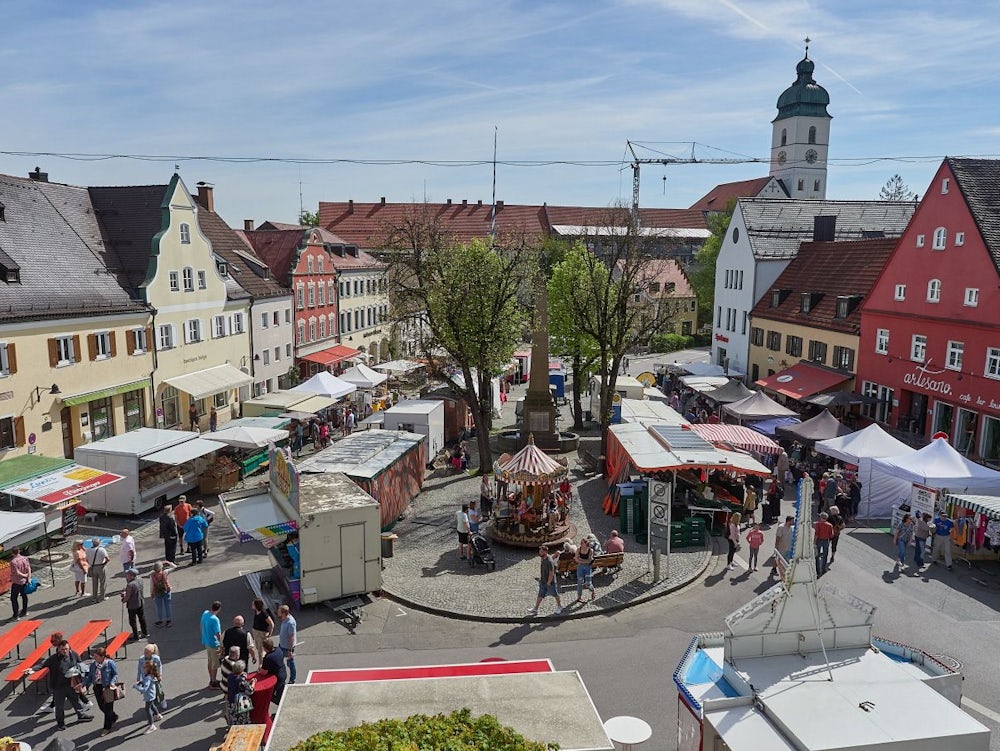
[{"x": 656, "y": 565}]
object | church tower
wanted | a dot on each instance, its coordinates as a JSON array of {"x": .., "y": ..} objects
[{"x": 800, "y": 137}]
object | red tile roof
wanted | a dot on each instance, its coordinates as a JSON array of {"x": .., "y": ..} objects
[
  {"x": 719, "y": 197},
  {"x": 833, "y": 269},
  {"x": 278, "y": 249},
  {"x": 594, "y": 216}
]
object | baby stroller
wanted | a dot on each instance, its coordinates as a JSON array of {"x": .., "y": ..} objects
[{"x": 481, "y": 551}]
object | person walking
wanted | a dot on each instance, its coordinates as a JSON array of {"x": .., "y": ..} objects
[
  {"x": 146, "y": 686},
  {"x": 288, "y": 638},
  {"x": 54, "y": 638},
  {"x": 237, "y": 636},
  {"x": 262, "y": 626},
  {"x": 823, "y": 534},
  {"x": 755, "y": 538},
  {"x": 80, "y": 568},
  {"x": 61, "y": 667},
  {"x": 462, "y": 526},
  {"x": 942, "y": 539},
  {"x": 193, "y": 417},
  {"x": 921, "y": 531},
  {"x": 299, "y": 438},
  {"x": 211, "y": 640},
  {"x": 273, "y": 663},
  {"x": 783, "y": 543},
  {"x": 239, "y": 689},
  {"x": 103, "y": 677},
  {"x": 168, "y": 533},
  {"x": 584, "y": 570},
  {"x": 854, "y": 490},
  {"x": 902, "y": 538},
  {"x": 202, "y": 510},
  {"x": 474, "y": 521},
  {"x": 159, "y": 586},
  {"x": 182, "y": 512},
  {"x": 213, "y": 420},
  {"x": 486, "y": 497},
  {"x": 20, "y": 575},
  {"x": 132, "y": 597},
  {"x": 732, "y": 533},
  {"x": 98, "y": 559},
  {"x": 352, "y": 421},
  {"x": 547, "y": 584},
  {"x": 151, "y": 654},
  {"x": 195, "y": 530},
  {"x": 126, "y": 553},
  {"x": 837, "y": 522},
  {"x": 749, "y": 503}
]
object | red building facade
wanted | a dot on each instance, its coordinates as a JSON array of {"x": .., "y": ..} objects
[{"x": 930, "y": 330}]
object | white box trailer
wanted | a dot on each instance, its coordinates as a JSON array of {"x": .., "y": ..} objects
[
  {"x": 423, "y": 416},
  {"x": 158, "y": 465}
]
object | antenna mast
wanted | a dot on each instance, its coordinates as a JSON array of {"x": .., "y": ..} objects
[{"x": 493, "y": 217}]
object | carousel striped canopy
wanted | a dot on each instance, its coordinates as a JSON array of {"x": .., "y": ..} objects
[{"x": 530, "y": 466}]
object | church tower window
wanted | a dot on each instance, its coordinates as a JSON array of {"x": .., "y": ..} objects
[
  {"x": 784, "y": 136},
  {"x": 812, "y": 134}
]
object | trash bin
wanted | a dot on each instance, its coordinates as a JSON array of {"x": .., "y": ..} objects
[{"x": 388, "y": 542}]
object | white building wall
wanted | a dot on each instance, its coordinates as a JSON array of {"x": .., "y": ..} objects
[
  {"x": 273, "y": 343},
  {"x": 734, "y": 297}
]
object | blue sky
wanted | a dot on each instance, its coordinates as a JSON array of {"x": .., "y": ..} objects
[{"x": 429, "y": 80}]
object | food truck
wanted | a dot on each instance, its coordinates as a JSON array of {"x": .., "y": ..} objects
[
  {"x": 157, "y": 464},
  {"x": 423, "y": 416}
]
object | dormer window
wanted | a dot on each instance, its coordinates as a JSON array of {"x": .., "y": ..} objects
[
  {"x": 222, "y": 268},
  {"x": 778, "y": 296},
  {"x": 846, "y": 304},
  {"x": 12, "y": 276},
  {"x": 809, "y": 300}
]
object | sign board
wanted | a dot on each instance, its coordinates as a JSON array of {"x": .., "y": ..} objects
[
  {"x": 284, "y": 478},
  {"x": 659, "y": 516},
  {"x": 922, "y": 499},
  {"x": 69, "y": 519},
  {"x": 63, "y": 484}
]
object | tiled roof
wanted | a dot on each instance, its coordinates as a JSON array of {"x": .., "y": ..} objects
[
  {"x": 129, "y": 217},
  {"x": 281, "y": 225},
  {"x": 592, "y": 216},
  {"x": 668, "y": 271},
  {"x": 244, "y": 267},
  {"x": 777, "y": 226},
  {"x": 719, "y": 197},
  {"x": 278, "y": 249},
  {"x": 979, "y": 181},
  {"x": 832, "y": 269},
  {"x": 50, "y": 237}
]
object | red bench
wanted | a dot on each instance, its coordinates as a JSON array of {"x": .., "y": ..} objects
[
  {"x": 17, "y": 633},
  {"x": 119, "y": 642},
  {"x": 18, "y": 674},
  {"x": 79, "y": 642}
]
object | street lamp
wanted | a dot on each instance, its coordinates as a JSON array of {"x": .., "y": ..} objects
[{"x": 53, "y": 389}]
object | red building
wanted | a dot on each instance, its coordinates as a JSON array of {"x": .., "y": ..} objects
[{"x": 930, "y": 330}]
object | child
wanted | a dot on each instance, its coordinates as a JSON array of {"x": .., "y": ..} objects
[
  {"x": 146, "y": 686},
  {"x": 755, "y": 538}
]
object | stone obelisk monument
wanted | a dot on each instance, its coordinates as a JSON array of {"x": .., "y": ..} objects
[{"x": 539, "y": 417}]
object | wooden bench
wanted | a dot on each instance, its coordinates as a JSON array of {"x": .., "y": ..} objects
[
  {"x": 119, "y": 642},
  {"x": 18, "y": 674},
  {"x": 589, "y": 463},
  {"x": 11, "y": 641},
  {"x": 242, "y": 738},
  {"x": 603, "y": 562},
  {"x": 79, "y": 642}
]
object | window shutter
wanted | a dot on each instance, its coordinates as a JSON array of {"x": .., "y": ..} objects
[
  {"x": 11, "y": 359},
  {"x": 130, "y": 341},
  {"x": 76, "y": 348},
  {"x": 92, "y": 346},
  {"x": 173, "y": 334},
  {"x": 112, "y": 336},
  {"x": 187, "y": 333},
  {"x": 19, "y": 431},
  {"x": 53, "y": 353},
  {"x": 149, "y": 339}
]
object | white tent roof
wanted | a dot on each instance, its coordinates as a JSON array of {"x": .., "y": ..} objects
[
  {"x": 398, "y": 366},
  {"x": 941, "y": 466},
  {"x": 757, "y": 407},
  {"x": 326, "y": 384},
  {"x": 363, "y": 377},
  {"x": 13, "y": 523},
  {"x": 248, "y": 437},
  {"x": 870, "y": 443}
]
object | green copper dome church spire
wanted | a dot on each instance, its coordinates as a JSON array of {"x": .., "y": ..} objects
[{"x": 804, "y": 96}]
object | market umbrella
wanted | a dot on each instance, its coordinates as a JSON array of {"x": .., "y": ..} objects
[
  {"x": 248, "y": 438},
  {"x": 398, "y": 366}
]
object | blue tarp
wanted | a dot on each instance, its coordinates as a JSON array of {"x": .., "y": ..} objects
[{"x": 768, "y": 427}]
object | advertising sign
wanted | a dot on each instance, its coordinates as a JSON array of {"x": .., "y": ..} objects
[
  {"x": 64, "y": 484},
  {"x": 922, "y": 499},
  {"x": 284, "y": 478}
]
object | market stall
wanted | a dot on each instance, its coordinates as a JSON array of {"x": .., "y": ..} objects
[
  {"x": 737, "y": 436},
  {"x": 325, "y": 384},
  {"x": 819, "y": 428},
  {"x": 727, "y": 393},
  {"x": 275, "y": 403},
  {"x": 321, "y": 532},
  {"x": 758, "y": 406},
  {"x": 423, "y": 416},
  {"x": 649, "y": 412},
  {"x": 247, "y": 452},
  {"x": 977, "y": 521}
]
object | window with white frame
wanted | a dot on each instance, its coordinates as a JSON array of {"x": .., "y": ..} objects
[
  {"x": 102, "y": 344},
  {"x": 288, "y": 315},
  {"x": 312, "y": 329},
  {"x": 165, "y": 336},
  {"x": 321, "y": 295},
  {"x": 276, "y": 318},
  {"x": 934, "y": 290},
  {"x": 5, "y": 358},
  {"x": 193, "y": 330},
  {"x": 953, "y": 361},
  {"x": 342, "y": 287},
  {"x": 277, "y": 354},
  {"x": 333, "y": 324},
  {"x": 65, "y": 353},
  {"x": 202, "y": 279},
  {"x": 900, "y": 292},
  {"x": 218, "y": 327},
  {"x": 237, "y": 326},
  {"x": 945, "y": 183},
  {"x": 322, "y": 327},
  {"x": 139, "y": 343},
  {"x": 320, "y": 264},
  {"x": 972, "y": 296},
  {"x": 8, "y": 432},
  {"x": 882, "y": 341},
  {"x": 185, "y": 234},
  {"x": 288, "y": 350},
  {"x": 940, "y": 238},
  {"x": 992, "y": 362},
  {"x": 343, "y": 322},
  {"x": 301, "y": 333},
  {"x": 266, "y": 355},
  {"x": 331, "y": 290},
  {"x": 358, "y": 323},
  {"x": 175, "y": 281},
  {"x": 959, "y": 238},
  {"x": 265, "y": 320},
  {"x": 188, "y": 275},
  {"x": 920, "y": 241},
  {"x": 309, "y": 264},
  {"x": 300, "y": 296},
  {"x": 918, "y": 348},
  {"x": 312, "y": 295}
]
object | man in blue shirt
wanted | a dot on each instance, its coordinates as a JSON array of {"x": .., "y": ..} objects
[
  {"x": 195, "y": 530},
  {"x": 288, "y": 639},
  {"x": 211, "y": 640},
  {"x": 942, "y": 539}
]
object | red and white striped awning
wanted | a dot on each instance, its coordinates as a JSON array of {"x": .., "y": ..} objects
[
  {"x": 530, "y": 466},
  {"x": 738, "y": 436}
]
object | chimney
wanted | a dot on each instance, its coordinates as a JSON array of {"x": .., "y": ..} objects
[
  {"x": 39, "y": 176},
  {"x": 205, "y": 198},
  {"x": 248, "y": 225},
  {"x": 824, "y": 228},
  {"x": 449, "y": 202},
  {"x": 499, "y": 205},
  {"x": 350, "y": 206},
  {"x": 465, "y": 201},
  {"x": 479, "y": 202},
  {"x": 383, "y": 200}
]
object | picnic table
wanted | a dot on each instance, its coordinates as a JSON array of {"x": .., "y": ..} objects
[
  {"x": 79, "y": 642},
  {"x": 16, "y": 634}
]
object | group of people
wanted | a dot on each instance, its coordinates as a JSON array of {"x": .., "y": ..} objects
[
  {"x": 183, "y": 524},
  {"x": 583, "y": 555},
  {"x": 922, "y": 530}
]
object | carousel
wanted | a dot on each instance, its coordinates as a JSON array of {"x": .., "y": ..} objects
[{"x": 533, "y": 499}]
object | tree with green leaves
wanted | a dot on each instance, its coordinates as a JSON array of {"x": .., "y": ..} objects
[
  {"x": 896, "y": 190},
  {"x": 309, "y": 219},
  {"x": 702, "y": 273}
]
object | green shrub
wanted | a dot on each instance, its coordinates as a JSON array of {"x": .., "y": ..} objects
[
  {"x": 669, "y": 342},
  {"x": 458, "y": 731}
]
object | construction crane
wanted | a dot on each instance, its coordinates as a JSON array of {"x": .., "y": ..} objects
[{"x": 637, "y": 162}]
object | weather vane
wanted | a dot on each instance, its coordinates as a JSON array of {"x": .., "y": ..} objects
[{"x": 807, "y": 40}]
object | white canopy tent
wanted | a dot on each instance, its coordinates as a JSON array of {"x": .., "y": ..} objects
[
  {"x": 326, "y": 384},
  {"x": 248, "y": 437},
  {"x": 363, "y": 377},
  {"x": 759, "y": 406},
  {"x": 398, "y": 366},
  {"x": 937, "y": 465}
]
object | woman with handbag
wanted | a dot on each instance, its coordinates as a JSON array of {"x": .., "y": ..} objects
[
  {"x": 159, "y": 582},
  {"x": 103, "y": 676},
  {"x": 238, "y": 693}
]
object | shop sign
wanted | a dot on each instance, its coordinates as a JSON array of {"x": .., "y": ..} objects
[
  {"x": 923, "y": 378},
  {"x": 284, "y": 478},
  {"x": 722, "y": 338},
  {"x": 922, "y": 499}
]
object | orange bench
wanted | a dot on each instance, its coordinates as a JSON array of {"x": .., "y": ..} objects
[
  {"x": 79, "y": 642},
  {"x": 17, "y": 633},
  {"x": 119, "y": 642},
  {"x": 18, "y": 674}
]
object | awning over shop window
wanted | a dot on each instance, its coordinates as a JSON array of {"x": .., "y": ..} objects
[
  {"x": 63, "y": 484},
  {"x": 804, "y": 379},
  {"x": 314, "y": 404},
  {"x": 71, "y": 401},
  {"x": 184, "y": 452},
  {"x": 210, "y": 381},
  {"x": 333, "y": 355}
]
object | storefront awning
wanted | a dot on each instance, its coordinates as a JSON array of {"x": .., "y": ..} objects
[
  {"x": 184, "y": 452},
  {"x": 210, "y": 381},
  {"x": 70, "y": 401},
  {"x": 314, "y": 404},
  {"x": 63, "y": 484},
  {"x": 804, "y": 379},
  {"x": 333, "y": 355}
]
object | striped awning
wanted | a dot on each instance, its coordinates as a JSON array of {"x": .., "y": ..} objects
[
  {"x": 530, "y": 465},
  {"x": 89, "y": 396},
  {"x": 738, "y": 436},
  {"x": 980, "y": 504}
]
